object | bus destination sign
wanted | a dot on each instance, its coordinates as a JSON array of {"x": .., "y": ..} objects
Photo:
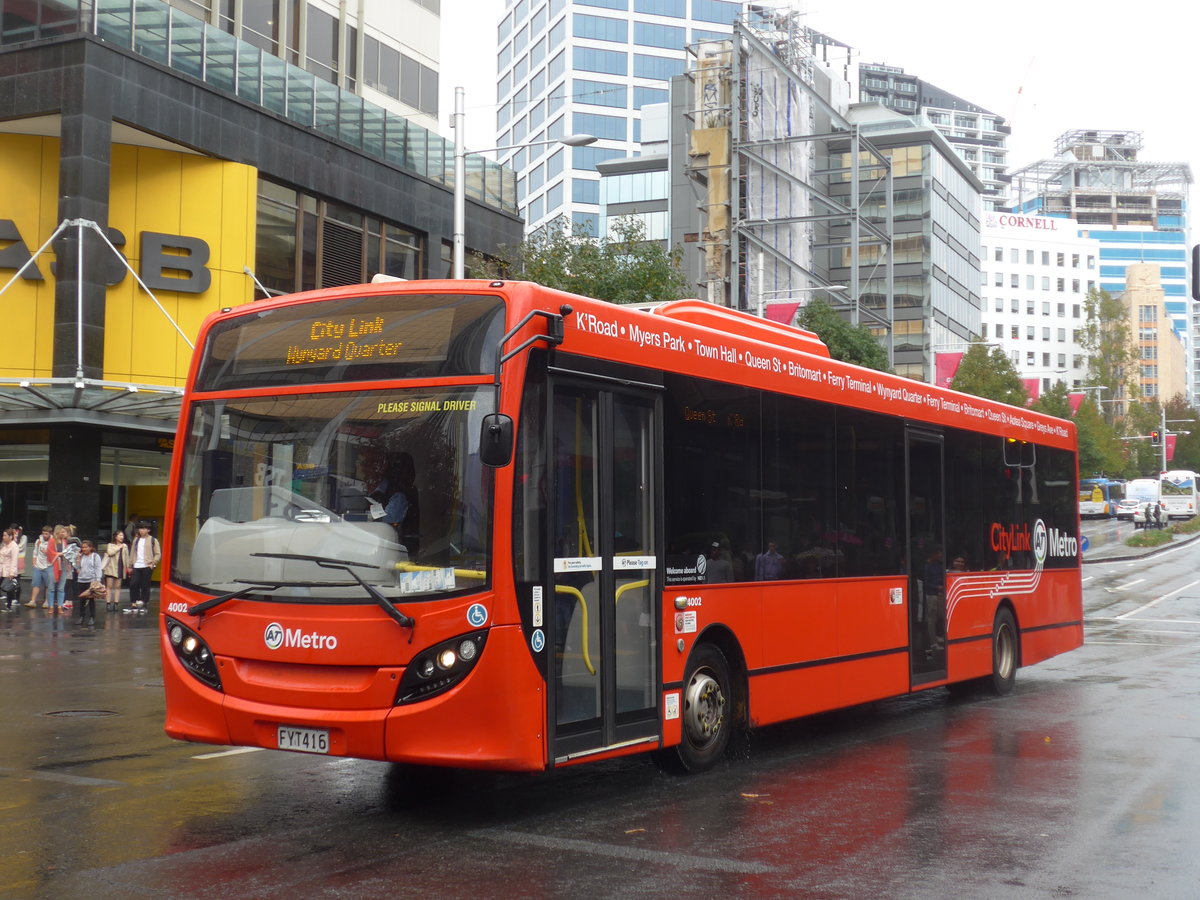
[{"x": 331, "y": 340}]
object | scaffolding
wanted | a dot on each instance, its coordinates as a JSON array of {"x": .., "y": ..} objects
[
  {"x": 1097, "y": 179},
  {"x": 761, "y": 165}
]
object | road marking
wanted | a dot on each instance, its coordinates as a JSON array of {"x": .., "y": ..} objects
[
  {"x": 236, "y": 751},
  {"x": 1158, "y": 600},
  {"x": 674, "y": 860},
  {"x": 61, "y": 778},
  {"x": 1129, "y": 584}
]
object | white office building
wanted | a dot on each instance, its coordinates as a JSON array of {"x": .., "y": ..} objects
[
  {"x": 1037, "y": 271},
  {"x": 587, "y": 67}
]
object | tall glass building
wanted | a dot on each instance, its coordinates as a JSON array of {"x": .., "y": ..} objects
[
  {"x": 587, "y": 66},
  {"x": 936, "y": 245}
]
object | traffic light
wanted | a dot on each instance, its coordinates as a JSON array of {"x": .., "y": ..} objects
[{"x": 1156, "y": 437}]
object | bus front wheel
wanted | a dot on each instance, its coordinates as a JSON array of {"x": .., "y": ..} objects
[
  {"x": 707, "y": 710},
  {"x": 1004, "y": 653}
]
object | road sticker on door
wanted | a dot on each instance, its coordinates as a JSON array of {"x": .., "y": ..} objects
[
  {"x": 671, "y": 705},
  {"x": 685, "y": 622}
]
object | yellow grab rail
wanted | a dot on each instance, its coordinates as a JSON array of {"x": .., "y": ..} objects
[
  {"x": 567, "y": 589},
  {"x": 625, "y": 587}
]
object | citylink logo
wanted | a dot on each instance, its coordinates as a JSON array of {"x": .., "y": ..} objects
[{"x": 276, "y": 636}]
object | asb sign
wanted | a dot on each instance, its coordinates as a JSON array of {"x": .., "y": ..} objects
[{"x": 169, "y": 262}]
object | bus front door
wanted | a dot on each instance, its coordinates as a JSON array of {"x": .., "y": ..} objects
[
  {"x": 604, "y": 627},
  {"x": 926, "y": 557}
]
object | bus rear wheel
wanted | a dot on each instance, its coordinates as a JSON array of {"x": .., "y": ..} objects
[
  {"x": 1004, "y": 653},
  {"x": 706, "y": 713}
]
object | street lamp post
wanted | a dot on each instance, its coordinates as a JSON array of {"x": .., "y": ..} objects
[{"x": 460, "y": 175}]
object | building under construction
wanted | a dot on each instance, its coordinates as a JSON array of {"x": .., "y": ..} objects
[
  {"x": 1138, "y": 210},
  {"x": 763, "y": 114}
]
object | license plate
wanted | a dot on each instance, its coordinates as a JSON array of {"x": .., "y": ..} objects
[{"x": 306, "y": 740}]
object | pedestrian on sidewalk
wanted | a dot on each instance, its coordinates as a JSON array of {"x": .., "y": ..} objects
[
  {"x": 91, "y": 573},
  {"x": 73, "y": 549},
  {"x": 22, "y": 543},
  {"x": 43, "y": 570},
  {"x": 145, "y": 555},
  {"x": 116, "y": 562},
  {"x": 59, "y": 553},
  {"x": 8, "y": 568}
]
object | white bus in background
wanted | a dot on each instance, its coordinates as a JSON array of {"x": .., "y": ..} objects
[
  {"x": 1100, "y": 497},
  {"x": 1138, "y": 493},
  {"x": 1179, "y": 493}
]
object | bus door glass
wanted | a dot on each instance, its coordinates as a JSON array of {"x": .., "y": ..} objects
[
  {"x": 604, "y": 625},
  {"x": 926, "y": 557}
]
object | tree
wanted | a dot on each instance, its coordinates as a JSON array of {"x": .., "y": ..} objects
[
  {"x": 621, "y": 268},
  {"x": 1100, "y": 448},
  {"x": 1187, "y": 446},
  {"x": 989, "y": 374},
  {"x": 1140, "y": 420},
  {"x": 1054, "y": 402},
  {"x": 1107, "y": 339},
  {"x": 849, "y": 343}
]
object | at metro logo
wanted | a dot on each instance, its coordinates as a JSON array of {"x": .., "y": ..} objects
[
  {"x": 169, "y": 262},
  {"x": 276, "y": 636}
]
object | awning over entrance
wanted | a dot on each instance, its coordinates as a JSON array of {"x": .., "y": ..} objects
[{"x": 89, "y": 401}]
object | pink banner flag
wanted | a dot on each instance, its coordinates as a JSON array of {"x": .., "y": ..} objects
[
  {"x": 945, "y": 366},
  {"x": 1033, "y": 387},
  {"x": 781, "y": 312},
  {"x": 1075, "y": 398},
  {"x": 1171, "y": 446}
]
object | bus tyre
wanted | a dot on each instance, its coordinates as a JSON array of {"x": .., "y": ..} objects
[
  {"x": 1004, "y": 653},
  {"x": 707, "y": 709}
]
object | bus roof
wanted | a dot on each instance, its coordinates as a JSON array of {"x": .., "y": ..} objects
[{"x": 694, "y": 337}]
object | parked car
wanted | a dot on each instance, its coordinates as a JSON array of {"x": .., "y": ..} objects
[
  {"x": 1155, "y": 521},
  {"x": 1127, "y": 507}
]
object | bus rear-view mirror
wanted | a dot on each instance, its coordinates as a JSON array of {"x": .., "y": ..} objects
[{"x": 496, "y": 440}]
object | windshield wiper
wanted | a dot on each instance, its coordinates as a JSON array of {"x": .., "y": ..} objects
[
  {"x": 201, "y": 608},
  {"x": 384, "y": 603}
]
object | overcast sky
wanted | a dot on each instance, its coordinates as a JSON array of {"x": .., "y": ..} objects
[{"x": 1047, "y": 66}]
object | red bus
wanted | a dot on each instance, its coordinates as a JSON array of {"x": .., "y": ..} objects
[{"x": 493, "y": 525}]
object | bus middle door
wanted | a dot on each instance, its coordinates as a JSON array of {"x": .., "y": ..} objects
[
  {"x": 604, "y": 632},
  {"x": 924, "y": 454}
]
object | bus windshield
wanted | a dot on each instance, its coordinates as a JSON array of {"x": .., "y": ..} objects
[{"x": 388, "y": 481}]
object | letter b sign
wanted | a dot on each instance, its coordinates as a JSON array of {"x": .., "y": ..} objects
[{"x": 172, "y": 262}]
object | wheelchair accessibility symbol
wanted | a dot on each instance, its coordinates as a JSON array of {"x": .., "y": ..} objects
[
  {"x": 537, "y": 641},
  {"x": 477, "y": 615}
]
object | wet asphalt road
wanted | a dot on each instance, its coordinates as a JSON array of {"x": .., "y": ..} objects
[{"x": 1083, "y": 783}]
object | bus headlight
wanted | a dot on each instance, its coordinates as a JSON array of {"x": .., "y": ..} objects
[
  {"x": 438, "y": 668},
  {"x": 193, "y": 654}
]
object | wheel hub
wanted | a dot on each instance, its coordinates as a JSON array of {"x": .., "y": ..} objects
[{"x": 704, "y": 708}]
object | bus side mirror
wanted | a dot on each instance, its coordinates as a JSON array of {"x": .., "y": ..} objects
[{"x": 496, "y": 440}]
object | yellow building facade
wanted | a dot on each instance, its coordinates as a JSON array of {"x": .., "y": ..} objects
[{"x": 166, "y": 209}]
